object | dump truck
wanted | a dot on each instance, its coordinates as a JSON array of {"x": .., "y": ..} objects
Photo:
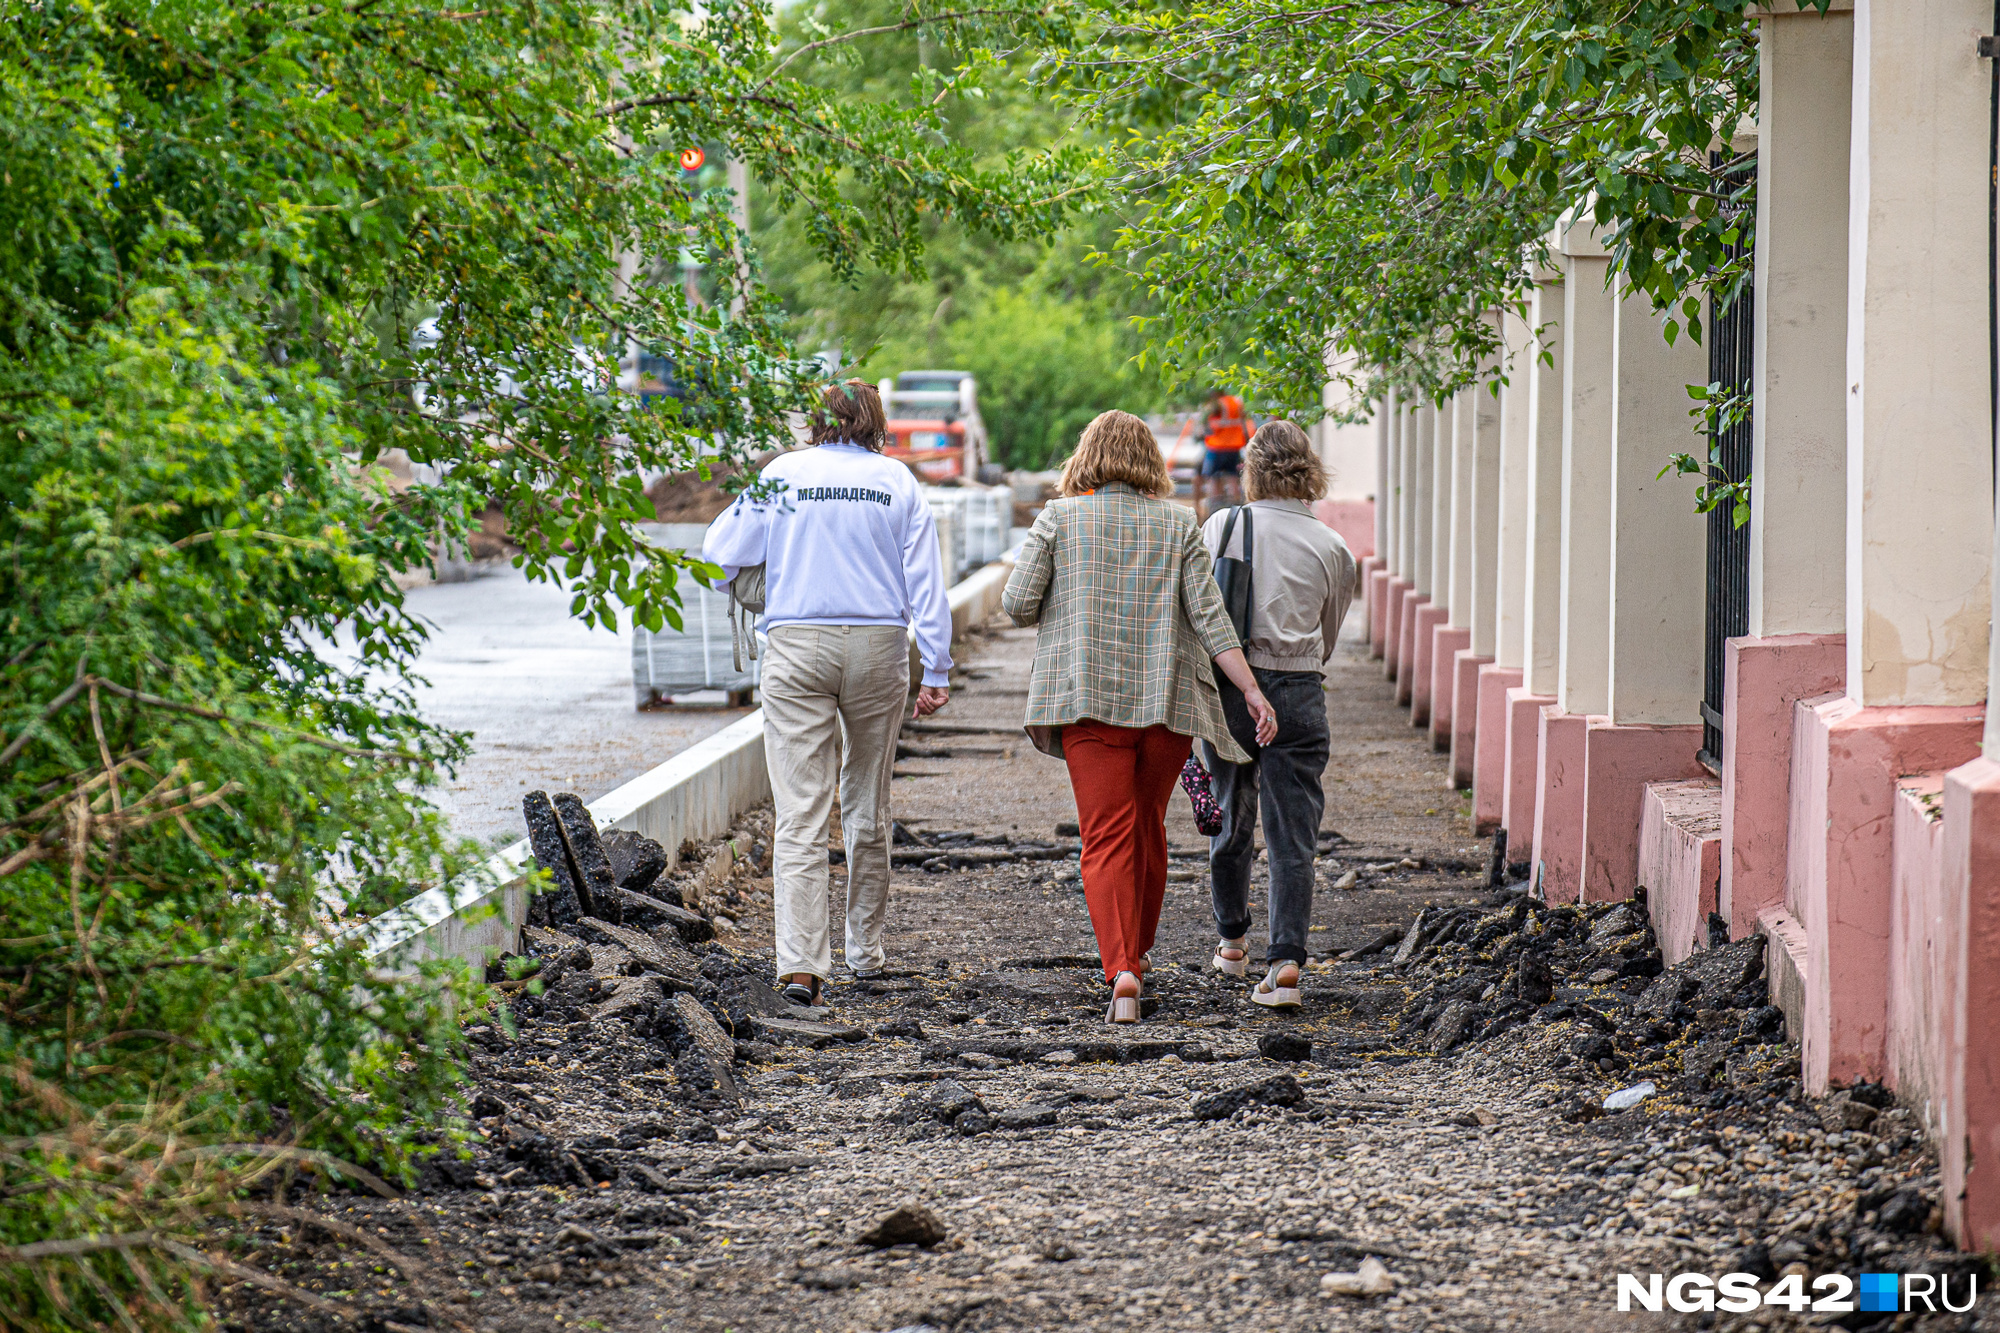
[{"x": 934, "y": 423}]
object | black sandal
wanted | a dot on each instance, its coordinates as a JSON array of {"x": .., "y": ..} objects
[{"x": 802, "y": 994}]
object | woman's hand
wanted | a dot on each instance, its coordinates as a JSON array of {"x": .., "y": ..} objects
[
  {"x": 1237, "y": 668},
  {"x": 1261, "y": 712}
]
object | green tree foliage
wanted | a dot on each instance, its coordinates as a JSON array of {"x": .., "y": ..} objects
[
  {"x": 1049, "y": 334},
  {"x": 1045, "y": 367},
  {"x": 219, "y": 227},
  {"x": 187, "y": 788},
  {"x": 1370, "y": 177}
]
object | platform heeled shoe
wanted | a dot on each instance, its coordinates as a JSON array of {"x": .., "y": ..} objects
[
  {"x": 1272, "y": 992},
  {"x": 1239, "y": 966},
  {"x": 1124, "y": 1004}
]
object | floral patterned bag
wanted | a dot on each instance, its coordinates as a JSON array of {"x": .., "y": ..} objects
[{"x": 1207, "y": 813}]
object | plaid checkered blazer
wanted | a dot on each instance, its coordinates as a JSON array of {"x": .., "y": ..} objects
[{"x": 1130, "y": 619}]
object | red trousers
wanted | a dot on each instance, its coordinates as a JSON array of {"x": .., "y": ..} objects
[{"x": 1122, "y": 777}]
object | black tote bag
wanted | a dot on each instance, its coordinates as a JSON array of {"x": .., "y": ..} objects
[{"x": 1235, "y": 575}]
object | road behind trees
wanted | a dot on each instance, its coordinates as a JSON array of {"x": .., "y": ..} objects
[{"x": 548, "y": 699}]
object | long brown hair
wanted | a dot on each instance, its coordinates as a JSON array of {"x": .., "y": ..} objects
[
  {"x": 1279, "y": 464},
  {"x": 849, "y": 413},
  {"x": 1116, "y": 446}
]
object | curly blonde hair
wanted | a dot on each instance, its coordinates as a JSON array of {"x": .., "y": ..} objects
[
  {"x": 1116, "y": 446},
  {"x": 1279, "y": 464}
]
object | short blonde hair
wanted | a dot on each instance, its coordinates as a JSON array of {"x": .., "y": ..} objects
[
  {"x": 1279, "y": 464},
  {"x": 1116, "y": 446}
]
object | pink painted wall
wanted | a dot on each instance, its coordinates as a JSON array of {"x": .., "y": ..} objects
[
  {"x": 1489, "y": 749},
  {"x": 1423, "y": 641},
  {"x": 1680, "y": 861},
  {"x": 1970, "y": 866},
  {"x": 1407, "y": 665},
  {"x": 1446, "y": 644},
  {"x": 1559, "y": 806},
  {"x": 1373, "y": 580},
  {"x": 1805, "y": 851},
  {"x": 1920, "y": 982},
  {"x": 1354, "y": 520},
  {"x": 1620, "y": 761},
  {"x": 1762, "y": 680},
  {"x": 1465, "y": 669},
  {"x": 1517, "y": 802},
  {"x": 1851, "y": 757},
  {"x": 1394, "y": 594}
]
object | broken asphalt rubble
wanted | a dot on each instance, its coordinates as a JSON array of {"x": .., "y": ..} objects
[
  {"x": 635, "y": 991},
  {"x": 1703, "y": 1028}
]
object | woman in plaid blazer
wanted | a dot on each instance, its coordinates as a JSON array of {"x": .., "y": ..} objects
[{"x": 1117, "y": 578}]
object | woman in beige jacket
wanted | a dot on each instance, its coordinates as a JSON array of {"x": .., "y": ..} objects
[{"x": 1118, "y": 581}]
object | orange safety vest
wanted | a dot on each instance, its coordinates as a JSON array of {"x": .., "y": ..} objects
[{"x": 1222, "y": 430}]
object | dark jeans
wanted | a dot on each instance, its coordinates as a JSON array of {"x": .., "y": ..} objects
[{"x": 1284, "y": 779}]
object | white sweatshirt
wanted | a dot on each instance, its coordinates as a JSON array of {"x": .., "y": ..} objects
[{"x": 847, "y": 540}]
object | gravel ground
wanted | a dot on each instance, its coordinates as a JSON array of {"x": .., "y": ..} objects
[{"x": 1173, "y": 1175}]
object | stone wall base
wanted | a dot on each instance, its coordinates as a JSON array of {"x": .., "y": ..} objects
[
  {"x": 1970, "y": 866},
  {"x": 1619, "y": 761},
  {"x": 1424, "y": 624},
  {"x": 1489, "y": 749},
  {"x": 1375, "y": 597},
  {"x": 1465, "y": 668},
  {"x": 1762, "y": 679},
  {"x": 1517, "y": 800},
  {"x": 1447, "y": 643},
  {"x": 1557, "y": 873},
  {"x": 1839, "y": 867},
  {"x": 1680, "y": 862}
]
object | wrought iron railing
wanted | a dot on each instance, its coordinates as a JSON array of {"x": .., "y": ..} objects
[{"x": 1731, "y": 350}]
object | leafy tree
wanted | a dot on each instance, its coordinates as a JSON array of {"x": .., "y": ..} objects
[
  {"x": 220, "y": 228},
  {"x": 1371, "y": 177},
  {"x": 1050, "y": 334}
]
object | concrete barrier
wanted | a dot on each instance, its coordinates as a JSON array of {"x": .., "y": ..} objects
[
  {"x": 975, "y": 599},
  {"x": 697, "y": 794}
]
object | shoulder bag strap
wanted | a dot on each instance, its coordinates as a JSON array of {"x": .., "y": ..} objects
[{"x": 1249, "y": 574}]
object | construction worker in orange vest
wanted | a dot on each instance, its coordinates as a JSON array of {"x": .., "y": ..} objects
[{"x": 1225, "y": 430}]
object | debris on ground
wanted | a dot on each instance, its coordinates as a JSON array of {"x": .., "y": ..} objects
[
  {"x": 909, "y": 1224},
  {"x": 655, "y": 1138},
  {"x": 1373, "y": 1278}
]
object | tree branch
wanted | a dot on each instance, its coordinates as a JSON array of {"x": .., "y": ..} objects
[{"x": 918, "y": 22}]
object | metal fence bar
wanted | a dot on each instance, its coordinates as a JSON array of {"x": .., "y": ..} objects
[{"x": 1731, "y": 353}]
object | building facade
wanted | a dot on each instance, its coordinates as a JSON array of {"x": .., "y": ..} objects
[{"x": 1809, "y": 757}]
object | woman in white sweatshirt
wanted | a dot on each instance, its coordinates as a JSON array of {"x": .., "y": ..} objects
[{"x": 851, "y": 564}]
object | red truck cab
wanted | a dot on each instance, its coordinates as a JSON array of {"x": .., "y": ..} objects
[{"x": 934, "y": 447}]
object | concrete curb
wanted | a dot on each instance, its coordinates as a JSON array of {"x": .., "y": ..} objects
[{"x": 697, "y": 794}]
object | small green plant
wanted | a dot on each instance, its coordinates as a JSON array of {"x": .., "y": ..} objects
[{"x": 1719, "y": 409}]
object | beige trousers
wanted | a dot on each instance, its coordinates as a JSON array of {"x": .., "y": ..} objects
[{"x": 822, "y": 682}]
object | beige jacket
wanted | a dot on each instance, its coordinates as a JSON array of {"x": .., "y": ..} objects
[
  {"x": 1129, "y": 618},
  {"x": 1303, "y": 577}
]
